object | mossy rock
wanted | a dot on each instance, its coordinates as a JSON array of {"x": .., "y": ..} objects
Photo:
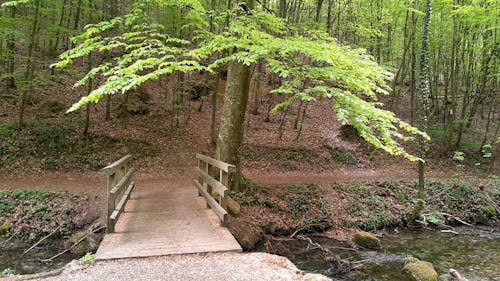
[
  {"x": 246, "y": 233},
  {"x": 366, "y": 240},
  {"x": 5, "y": 227},
  {"x": 420, "y": 270},
  {"x": 271, "y": 227},
  {"x": 233, "y": 207}
]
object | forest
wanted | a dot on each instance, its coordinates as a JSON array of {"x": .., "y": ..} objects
[{"x": 336, "y": 128}]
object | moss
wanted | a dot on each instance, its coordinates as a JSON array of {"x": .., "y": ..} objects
[
  {"x": 89, "y": 244},
  {"x": 366, "y": 240},
  {"x": 5, "y": 227},
  {"x": 420, "y": 270},
  {"x": 233, "y": 207}
]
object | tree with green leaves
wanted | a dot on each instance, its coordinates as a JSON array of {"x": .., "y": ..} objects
[{"x": 311, "y": 66}]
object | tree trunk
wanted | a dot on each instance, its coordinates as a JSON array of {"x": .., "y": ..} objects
[
  {"x": 77, "y": 17},
  {"x": 87, "y": 106},
  {"x": 424, "y": 94},
  {"x": 30, "y": 62},
  {"x": 213, "y": 135},
  {"x": 257, "y": 91},
  {"x": 61, "y": 20},
  {"x": 319, "y": 5},
  {"x": 233, "y": 117},
  {"x": 11, "y": 49}
]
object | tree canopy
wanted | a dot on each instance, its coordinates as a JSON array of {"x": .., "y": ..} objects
[{"x": 311, "y": 64}]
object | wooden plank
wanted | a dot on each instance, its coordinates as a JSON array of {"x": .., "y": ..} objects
[
  {"x": 116, "y": 165},
  {"x": 214, "y": 162},
  {"x": 218, "y": 210},
  {"x": 217, "y": 186},
  {"x": 122, "y": 182},
  {"x": 116, "y": 213}
]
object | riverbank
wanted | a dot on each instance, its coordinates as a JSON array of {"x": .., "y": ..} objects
[
  {"x": 472, "y": 251},
  {"x": 36, "y": 225},
  {"x": 338, "y": 209}
]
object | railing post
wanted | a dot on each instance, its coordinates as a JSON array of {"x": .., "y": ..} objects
[
  {"x": 208, "y": 186},
  {"x": 200, "y": 178},
  {"x": 224, "y": 179},
  {"x": 110, "y": 226}
]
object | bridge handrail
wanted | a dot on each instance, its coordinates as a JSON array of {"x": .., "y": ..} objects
[
  {"x": 226, "y": 167},
  {"x": 207, "y": 185},
  {"x": 119, "y": 186}
]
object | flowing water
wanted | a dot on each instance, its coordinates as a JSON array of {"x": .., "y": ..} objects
[
  {"x": 475, "y": 253},
  {"x": 11, "y": 259}
]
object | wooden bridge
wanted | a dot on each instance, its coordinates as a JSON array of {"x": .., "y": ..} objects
[{"x": 167, "y": 218}]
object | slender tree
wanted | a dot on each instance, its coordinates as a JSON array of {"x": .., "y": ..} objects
[{"x": 424, "y": 108}]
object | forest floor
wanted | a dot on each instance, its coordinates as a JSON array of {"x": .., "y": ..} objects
[{"x": 291, "y": 179}]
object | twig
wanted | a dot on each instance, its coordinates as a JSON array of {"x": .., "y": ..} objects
[
  {"x": 74, "y": 245},
  {"x": 456, "y": 275},
  {"x": 10, "y": 238},
  {"x": 451, "y": 216},
  {"x": 305, "y": 228},
  {"x": 40, "y": 241},
  {"x": 342, "y": 248},
  {"x": 450, "y": 231},
  {"x": 311, "y": 243}
]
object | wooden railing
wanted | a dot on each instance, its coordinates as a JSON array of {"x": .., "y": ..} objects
[
  {"x": 119, "y": 187},
  {"x": 208, "y": 186}
]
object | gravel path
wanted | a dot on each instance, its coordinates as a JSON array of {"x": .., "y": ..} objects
[{"x": 216, "y": 267}]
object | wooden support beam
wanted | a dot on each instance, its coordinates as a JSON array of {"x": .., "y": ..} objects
[
  {"x": 122, "y": 182},
  {"x": 112, "y": 168},
  {"x": 218, "y": 210},
  {"x": 216, "y": 186},
  {"x": 119, "y": 208},
  {"x": 228, "y": 168}
]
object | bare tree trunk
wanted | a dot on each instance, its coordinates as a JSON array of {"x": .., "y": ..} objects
[
  {"x": 77, "y": 17},
  {"x": 11, "y": 49},
  {"x": 282, "y": 123},
  {"x": 61, "y": 19},
  {"x": 319, "y": 5},
  {"x": 301, "y": 122},
  {"x": 213, "y": 135},
  {"x": 424, "y": 94},
  {"x": 488, "y": 122},
  {"x": 87, "y": 106},
  {"x": 30, "y": 62},
  {"x": 232, "y": 119},
  {"x": 257, "y": 90}
]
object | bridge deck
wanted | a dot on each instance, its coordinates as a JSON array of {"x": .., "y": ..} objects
[{"x": 166, "y": 219}]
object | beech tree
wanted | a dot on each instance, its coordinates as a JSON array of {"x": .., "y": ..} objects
[{"x": 311, "y": 66}]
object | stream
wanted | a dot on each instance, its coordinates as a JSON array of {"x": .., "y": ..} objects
[
  {"x": 11, "y": 259},
  {"x": 475, "y": 253}
]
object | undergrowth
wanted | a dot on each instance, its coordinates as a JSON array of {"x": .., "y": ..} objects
[
  {"x": 58, "y": 146},
  {"x": 375, "y": 205},
  {"x": 32, "y": 213}
]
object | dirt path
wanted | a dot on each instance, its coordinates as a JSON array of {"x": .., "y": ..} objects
[
  {"x": 241, "y": 267},
  {"x": 94, "y": 182}
]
